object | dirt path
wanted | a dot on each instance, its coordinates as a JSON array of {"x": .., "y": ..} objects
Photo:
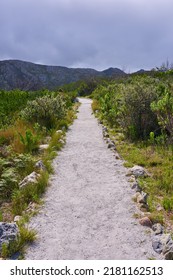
[{"x": 88, "y": 211}]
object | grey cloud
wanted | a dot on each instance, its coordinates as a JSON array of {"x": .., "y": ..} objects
[{"x": 95, "y": 33}]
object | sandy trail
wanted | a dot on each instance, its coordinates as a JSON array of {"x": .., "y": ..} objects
[{"x": 88, "y": 210}]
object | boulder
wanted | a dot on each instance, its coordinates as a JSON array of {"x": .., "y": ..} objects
[
  {"x": 30, "y": 179},
  {"x": 145, "y": 221},
  {"x": 8, "y": 233}
]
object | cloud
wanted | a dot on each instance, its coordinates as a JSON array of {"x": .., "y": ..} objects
[{"x": 95, "y": 33}]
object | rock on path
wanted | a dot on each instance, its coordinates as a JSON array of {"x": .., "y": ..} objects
[{"x": 88, "y": 210}]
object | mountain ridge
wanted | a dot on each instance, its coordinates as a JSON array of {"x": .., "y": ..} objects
[{"x": 31, "y": 76}]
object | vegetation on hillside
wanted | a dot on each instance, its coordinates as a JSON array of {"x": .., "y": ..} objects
[
  {"x": 29, "y": 120},
  {"x": 139, "y": 113}
]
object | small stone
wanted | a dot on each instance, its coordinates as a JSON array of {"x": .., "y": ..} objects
[
  {"x": 132, "y": 179},
  {"x": 47, "y": 139},
  {"x": 135, "y": 186},
  {"x": 169, "y": 255},
  {"x": 145, "y": 221},
  {"x": 135, "y": 196},
  {"x": 17, "y": 219},
  {"x": 142, "y": 198},
  {"x": 43, "y": 147},
  {"x": 111, "y": 145},
  {"x": 143, "y": 207},
  {"x": 59, "y": 131},
  {"x": 157, "y": 228},
  {"x": 104, "y": 128},
  {"x": 159, "y": 208},
  {"x": 105, "y": 134},
  {"x": 40, "y": 165},
  {"x": 137, "y": 171},
  {"x": 117, "y": 157},
  {"x": 8, "y": 233},
  {"x": 61, "y": 141}
]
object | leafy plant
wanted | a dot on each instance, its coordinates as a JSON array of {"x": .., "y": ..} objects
[
  {"x": 164, "y": 110},
  {"x": 8, "y": 182},
  {"x": 29, "y": 141}
]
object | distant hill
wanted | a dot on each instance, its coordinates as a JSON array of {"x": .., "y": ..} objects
[{"x": 30, "y": 76}]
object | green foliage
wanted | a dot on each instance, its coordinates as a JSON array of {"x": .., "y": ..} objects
[
  {"x": 95, "y": 105},
  {"x": 29, "y": 141},
  {"x": 164, "y": 110},
  {"x": 157, "y": 218},
  {"x": 12, "y": 102},
  {"x": 137, "y": 118},
  {"x": 45, "y": 111},
  {"x": 24, "y": 164},
  {"x": 128, "y": 105},
  {"x": 22, "y": 197},
  {"x": 8, "y": 182}
]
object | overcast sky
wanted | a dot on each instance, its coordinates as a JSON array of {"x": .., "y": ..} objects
[{"x": 128, "y": 34}]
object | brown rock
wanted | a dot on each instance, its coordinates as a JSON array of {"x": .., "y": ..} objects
[{"x": 146, "y": 222}]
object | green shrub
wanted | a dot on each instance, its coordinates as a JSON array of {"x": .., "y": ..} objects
[
  {"x": 137, "y": 118},
  {"x": 164, "y": 110},
  {"x": 45, "y": 111}
]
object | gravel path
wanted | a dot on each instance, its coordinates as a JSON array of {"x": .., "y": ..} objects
[{"x": 88, "y": 210}]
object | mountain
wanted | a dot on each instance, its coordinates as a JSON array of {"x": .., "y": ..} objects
[{"x": 31, "y": 76}]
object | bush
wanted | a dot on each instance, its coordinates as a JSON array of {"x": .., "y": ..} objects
[
  {"x": 45, "y": 111},
  {"x": 137, "y": 118},
  {"x": 164, "y": 111}
]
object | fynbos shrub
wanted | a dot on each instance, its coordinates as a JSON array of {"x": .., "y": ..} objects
[{"x": 45, "y": 111}]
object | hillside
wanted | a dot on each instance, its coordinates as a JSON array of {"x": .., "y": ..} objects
[{"x": 30, "y": 76}]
